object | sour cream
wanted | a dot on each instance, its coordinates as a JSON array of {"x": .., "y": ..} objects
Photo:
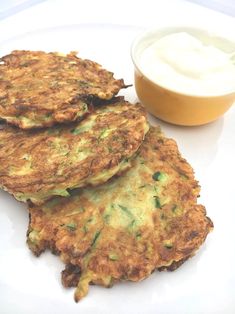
[{"x": 185, "y": 64}]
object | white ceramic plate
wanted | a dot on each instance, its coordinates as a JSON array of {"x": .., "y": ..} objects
[{"x": 204, "y": 284}]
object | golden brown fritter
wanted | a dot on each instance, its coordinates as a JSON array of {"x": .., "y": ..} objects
[
  {"x": 39, "y": 89},
  {"x": 146, "y": 219},
  {"x": 37, "y": 164}
]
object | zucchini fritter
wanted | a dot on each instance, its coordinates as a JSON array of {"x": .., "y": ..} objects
[
  {"x": 37, "y": 164},
  {"x": 39, "y": 89},
  {"x": 146, "y": 219}
]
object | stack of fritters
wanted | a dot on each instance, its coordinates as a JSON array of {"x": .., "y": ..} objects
[{"x": 136, "y": 207}]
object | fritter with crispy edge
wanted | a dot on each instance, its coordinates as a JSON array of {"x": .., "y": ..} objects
[
  {"x": 37, "y": 164},
  {"x": 39, "y": 89},
  {"x": 146, "y": 219}
]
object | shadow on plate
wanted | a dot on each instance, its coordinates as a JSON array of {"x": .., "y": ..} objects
[{"x": 198, "y": 144}]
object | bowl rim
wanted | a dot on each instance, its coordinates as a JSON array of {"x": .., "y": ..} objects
[{"x": 174, "y": 29}]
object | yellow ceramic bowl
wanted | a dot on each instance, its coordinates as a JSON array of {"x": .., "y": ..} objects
[{"x": 172, "y": 106}]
